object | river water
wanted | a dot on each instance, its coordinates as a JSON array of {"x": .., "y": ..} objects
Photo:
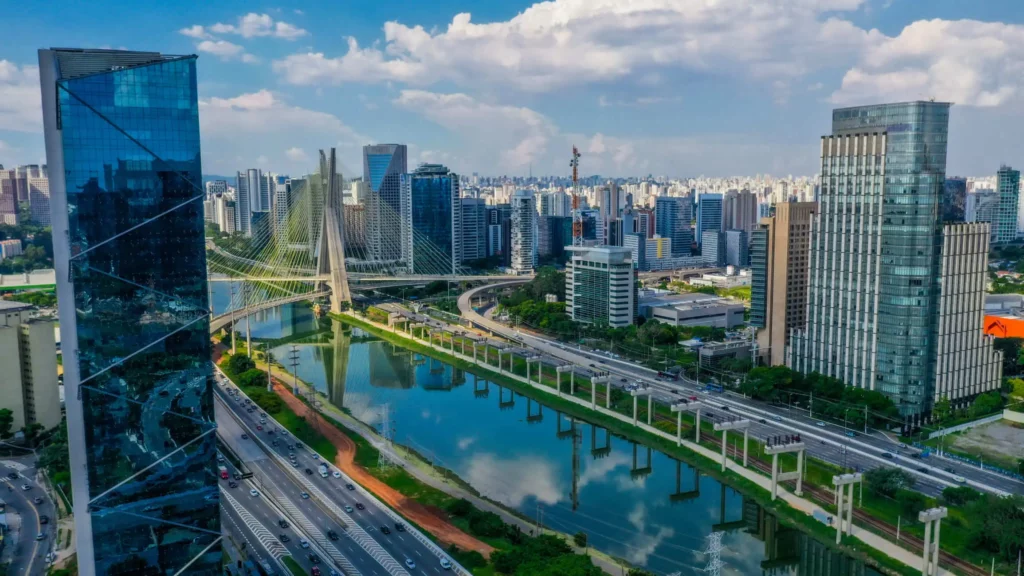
[{"x": 633, "y": 502}]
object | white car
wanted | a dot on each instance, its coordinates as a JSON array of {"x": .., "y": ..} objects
[
  {"x": 447, "y": 565},
  {"x": 336, "y": 474},
  {"x": 253, "y": 493},
  {"x": 304, "y": 543},
  {"x": 410, "y": 564}
]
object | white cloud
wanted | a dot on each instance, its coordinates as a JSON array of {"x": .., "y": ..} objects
[
  {"x": 225, "y": 50},
  {"x": 254, "y": 25},
  {"x": 195, "y": 31},
  {"x": 242, "y": 125},
  {"x": 20, "y": 103},
  {"x": 512, "y": 481},
  {"x": 966, "y": 62},
  {"x": 564, "y": 43}
]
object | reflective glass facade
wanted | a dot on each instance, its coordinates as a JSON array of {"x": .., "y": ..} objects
[
  {"x": 431, "y": 220},
  {"x": 1004, "y": 229},
  {"x": 383, "y": 166},
  {"x": 133, "y": 302}
]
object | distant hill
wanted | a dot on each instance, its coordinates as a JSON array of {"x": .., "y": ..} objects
[{"x": 230, "y": 179}]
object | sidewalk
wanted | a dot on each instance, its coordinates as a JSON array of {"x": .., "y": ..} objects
[{"x": 875, "y": 541}]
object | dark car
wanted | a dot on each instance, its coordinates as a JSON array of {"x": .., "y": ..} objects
[
  {"x": 44, "y": 519},
  {"x": 887, "y": 455},
  {"x": 308, "y": 471},
  {"x": 313, "y": 558},
  {"x": 762, "y": 421},
  {"x": 232, "y": 484},
  {"x": 282, "y": 523},
  {"x": 726, "y": 408},
  {"x": 385, "y": 530},
  {"x": 359, "y": 506},
  {"x": 350, "y": 487},
  {"x": 923, "y": 470},
  {"x": 37, "y": 500},
  {"x": 13, "y": 475},
  {"x": 245, "y": 436},
  {"x": 399, "y": 526},
  {"x": 283, "y": 538},
  {"x": 332, "y": 534}
]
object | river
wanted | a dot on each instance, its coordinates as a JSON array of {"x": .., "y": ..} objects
[{"x": 633, "y": 502}]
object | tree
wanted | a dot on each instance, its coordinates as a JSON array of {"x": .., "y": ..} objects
[
  {"x": 986, "y": 404},
  {"x": 911, "y": 502},
  {"x": 580, "y": 539},
  {"x": 886, "y": 481},
  {"x": 461, "y": 507},
  {"x": 1010, "y": 347},
  {"x": 960, "y": 495},
  {"x": 942, "y": 410},
  {"x": 240, "y": 363},
  {"x": 253, "y": 378},
  {"x": 6, "y": 422},
  {"x": 32, "y": 432}
]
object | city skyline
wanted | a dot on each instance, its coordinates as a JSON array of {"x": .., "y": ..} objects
[{"x": 747, "y": 102}]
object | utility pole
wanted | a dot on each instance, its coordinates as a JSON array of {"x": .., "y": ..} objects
[
  {"x": 577, "y": 216},
  {"x": 812, "y": 404},
  {"x": 293, "y": 356},
  {"x": 269, "y": 359},
  {"x": 865, "y": 418},
  {"x": 231, "y": 305}
]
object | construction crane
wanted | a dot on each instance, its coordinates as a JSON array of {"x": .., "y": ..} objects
[{"x": 577, "y": 216}]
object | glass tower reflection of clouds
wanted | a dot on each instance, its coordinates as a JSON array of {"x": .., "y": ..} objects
[{"x": 122, "y": 143}]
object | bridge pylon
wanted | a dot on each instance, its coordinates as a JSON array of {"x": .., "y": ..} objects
[{"x": 331, "y": 260}]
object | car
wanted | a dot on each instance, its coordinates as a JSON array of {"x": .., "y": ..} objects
[
  {"x": 887, "y": 455},
  {"x": 49, "y": 557},
  {"x": 273, "y": 442},
  {"x": 410, "y": 564},
  {"x": 593, "y": 366},
  {"x": 902, "y": 445},
  {"x": 236, "y": 476},
  {"x": 270, "y": 432},
  {"x": 851, "y": 433},
  {"x": 304, "y": 543},
  {"x": 332, "y": 535},
  {"x": 316, "y": 456},
  {"x": 305, "y": 496},
  {"x": 916, "y": 455},
  {"x": 948, "y": 469},
  {"x": 220, "y": 459},
  {"x": 44, "y": 519},
  {"x": 13, "y": 475},
  {"x": 249, "y": 411},
  {"x": 245, "y": 436},
  {"x": 282, "y": 523},
  {"x": 348, "y": 509},
  {"x": 359, "y": 506},
  {"x": 283, "y": 538},
  {"x": 336, "y": 474},
  {"x": 446, "y": 564},
  {"x": 820, "y": 424},
  {"x": 309, "y": 472},
  {"x": 777, "y": 418},
  {"x": 284, "y": 432},
  {"x": 37, "y": 500},
  {"x": 263, "y": 420},
  {"x": 313, "y": 558},
  {"x": 399, "y": 526},
  {"x": 315, "y": 571},
  {"x": 960, "y": 479},
  {"x": 232, "y": 484},
  {"x": 25, "y": 487},
  {"x": 350, "y": 486},
  {"x": 762, "y": 421},
  {"x": 923, "y": 470},
  {"x": 40, "y": 536},
  {"x": 726, "y": 408},
  {"x": 295, "y": 464},
  {"x": 385, "y": 530},
  {"x": 248, "y": 401},
  {"x": 253, "y": 492},
  {"x": 263, "y": 414},
  {"x": 334, "y": 572},
  {"x": 258, "y": 427}
]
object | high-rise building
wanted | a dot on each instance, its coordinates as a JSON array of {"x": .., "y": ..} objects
[
  {"x": 1008, "y": 188},
  {"x": 954, "y": 200},
  {"x": 739, "y": 211},
  {"x": 554, "y": 233},
  {"x": 28, "y": 353},
  {"x": 737, "y": 250},
  {"x": 876, "y": 259},
  {"x": 600, "y": 286},
  {"x": 709, "y": 214},
  {"x": 281, "y": 187},
  {"x": 555, "y": 203},
  {"x": 10, "y": 248},
  {"x": 712, "y": 248},
  {"x": 431, "y": 220},
  {"x": 779, "y": 257},
  {"x": 474, "y": 229},
  {"x": 247, "y": 193},
  {"x": 672, "y": 215},
  {"x": 358, "y": 191},
  {"x": 383, "y": 166},
  {"x": 8, "y": 199},
  {"x": 39, "y": 199},
  {"x": 215, "y": 187},
  {"x": 134, "y": 316},
  {"x": 982, "y": 206},
  {"x": 523, "y": 225}
]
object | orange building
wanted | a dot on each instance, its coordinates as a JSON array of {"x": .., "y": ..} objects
[{"x": 1004, "y": 326}]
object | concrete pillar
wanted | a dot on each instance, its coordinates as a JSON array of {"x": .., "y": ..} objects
[
  {"x": 746, "y": 436},
  {"x": 679, "y": 428},
  {"x": 650, "y": 408},
  {"x": 464, "y": 347},
  {"x": 926, "y": 553},
  {"x": 697, "y": 427},
  {"x": 558, "y": 379},
  {"x": 839, "y": 517},
  {"x": 725, "y": 444},
  {"x": 608, "y": 394},
  {"x": 572, "y": 383},
  {"x": 775, "y": 476},
  {"x": 527, "y": 369},
  {"x": 935, "y": 548},
  {"x": 593, "y": 394},
  {"x": 800, "y": 476}
]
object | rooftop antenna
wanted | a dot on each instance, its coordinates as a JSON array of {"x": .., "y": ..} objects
[{"x": 577, "y": 216}]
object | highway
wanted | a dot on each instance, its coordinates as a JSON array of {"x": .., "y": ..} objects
[
  {"x": 827, "y": 442},
  {"x": 361, "y": 539},
  {"x": 29, "y": 554}
]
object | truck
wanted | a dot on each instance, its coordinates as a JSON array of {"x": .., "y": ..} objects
[
  {"x": 323, "y": 470},
  {"x": 223, "y": 472}
]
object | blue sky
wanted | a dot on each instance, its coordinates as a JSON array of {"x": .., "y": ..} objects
[{"x": 663, "y": 87}]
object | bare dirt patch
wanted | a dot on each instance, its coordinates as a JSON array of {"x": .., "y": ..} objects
[{"x": 998, "y": 441}]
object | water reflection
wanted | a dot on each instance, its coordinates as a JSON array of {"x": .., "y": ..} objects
[{"x": 633, "y": 502}]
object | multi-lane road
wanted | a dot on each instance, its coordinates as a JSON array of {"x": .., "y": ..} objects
[
  {"x": 825, "y": 441},
  {"x": 369, "y": 538},
  {"x": 29, "y": 554}
]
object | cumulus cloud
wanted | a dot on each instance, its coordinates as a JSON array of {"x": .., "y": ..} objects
[
  {"x": 243, "y": 125},
  {"x": 195, "y": 31},
  {"x": 20, "y": 103},
  {"x": 967, "y": 62},
  {"x": 226, "y": 51},
  {"x": 562, "y": 43},
  {"x": 513, "y": 481},
  {"x": 254, "y": 25}
]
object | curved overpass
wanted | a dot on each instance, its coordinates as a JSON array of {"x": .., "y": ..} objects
[{"x": 219, "y": 322}]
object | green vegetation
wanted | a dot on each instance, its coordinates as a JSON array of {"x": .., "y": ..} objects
[
  {"x": 54, "y": 458},
  {"x": 832, "y": 399},
  {"x": 42, "y": 299},
  {"x": 293, "y": 566},
  {"x": 6, "y": 422},
  {"x": 36, "y": 243}
]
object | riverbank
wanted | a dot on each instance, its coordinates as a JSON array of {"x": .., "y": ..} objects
[{"x": 863, "y": 544}]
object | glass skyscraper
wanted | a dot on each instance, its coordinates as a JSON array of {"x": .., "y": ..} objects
[
  {"x": 709, "y": 215},
  {"x": 672, "y": 217},
  {"x": 876, "y": 254},
  {"x": 431, "y": 220},
  {"x": 383, "y": 166},
  {"x": 122, "y": 144},
  {"x": 1008, "y": 187}
]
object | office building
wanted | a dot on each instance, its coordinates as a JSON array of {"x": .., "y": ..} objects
[
  {"x": 247, "y": 186},
  {"x": 281, "y": 200},
  {"x": 555, "y": 203},
  {"x": 383, "y": 166},
  {"x": 709, "y": 215},
  {"x": 874, "y": 305},
  {"x": 215, "y": 187},
  {"x": 357, "y": 193},
  {"x": 474, "y": 229},
  {"x": 1008, "y": 189},
  {"x": 226, "y": 209},
  {"x": 554, "y": 233},
  {"x": 982, "y": 206},
  {"x": 134, "y": 314},
  {"x": 431, "y": 220},
  {"x": 779, "y": 257},
  {"x": 954, "y": 200},
  {"x": 644, "y": 222},
  {"x": 28, "y": 353},
  {"x": 739, "y": 211},
  {"x": 672, "y": 215},
  {"x": 693, "y": 310},
  {"x": 8, "y": 201},
  {"x": 600, "y": 286},
  {"x": 523, "y": 228},
  {"x": 712, "y": 248},
  {"x": 967, "y": 364},
  {"x": 10, "y": 248},
  {"x": 39, "y": 200},
  {"x": 737, "y": 250}
]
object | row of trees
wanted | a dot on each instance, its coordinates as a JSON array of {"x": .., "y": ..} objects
[{"x": 36, "y": 243}]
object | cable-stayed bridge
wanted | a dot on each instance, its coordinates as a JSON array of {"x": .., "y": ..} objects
[{"x": 312, "y": 244}]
